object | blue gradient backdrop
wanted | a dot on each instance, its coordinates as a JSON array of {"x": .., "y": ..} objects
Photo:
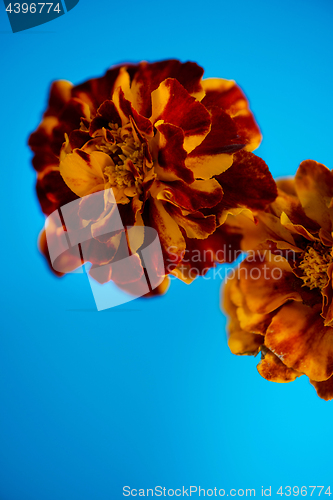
[{"x": 147, "y": 393}]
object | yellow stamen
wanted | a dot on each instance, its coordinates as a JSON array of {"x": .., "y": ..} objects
[
  {"x": 124, "y": 149},
  {"x": 314, "y": 265}
]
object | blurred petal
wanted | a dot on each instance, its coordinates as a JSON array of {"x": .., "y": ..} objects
[
  {"x": 314, "y": 187},
  {"x": 324, "y": 389},
  {"x": 240, "y": 342},
  {"x": 299, "y": 338},
  {"x": 272, "y": 368},
  {"x": 267, "y": 282},
  {"x": 60, "y": 94},
  {"x": 52, "y": 191}
]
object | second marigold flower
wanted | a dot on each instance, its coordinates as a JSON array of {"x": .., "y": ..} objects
[{"x": 280, "y": 299}]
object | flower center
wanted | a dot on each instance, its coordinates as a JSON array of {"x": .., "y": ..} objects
[
  {"x": 314, "y": 265},
  {"x": 126, "y": 153}
]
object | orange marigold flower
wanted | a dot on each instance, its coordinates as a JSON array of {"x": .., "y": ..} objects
[
  {"x": 280, "y": 299},
  {"x": 162, "y": 138}
]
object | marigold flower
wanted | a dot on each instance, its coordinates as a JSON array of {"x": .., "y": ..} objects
[
  {"x": 280, "y": 299},
  {"x": 163, "y": 139}
]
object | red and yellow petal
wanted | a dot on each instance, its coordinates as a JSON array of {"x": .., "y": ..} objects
[
  {"x": 215, "y": 154},
  {"x": 248, "y": 182},
  {"x": 314, "y": 187},
  {"x": 297, "y": 335},
  {"x": 168, "y": 147},
  {"x": 200, "y": 194},
  {"x": 195, "y": 225},
  {"x": 228, "y": 96},
  {"x": 171, "y": 238},
  {"x": 147, "y": 77},
  {"x": 60, "y": 94},
  {"x": 173, "y": 104},
  {"x": 126, "y": 110},
  {"x": 83, "y": 172},
  {"x": 97, "y": 90}
]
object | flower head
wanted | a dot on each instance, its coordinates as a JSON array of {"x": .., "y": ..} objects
[
  {"x": 161, "y": 138},
  {"x": 280, "y": 299}
]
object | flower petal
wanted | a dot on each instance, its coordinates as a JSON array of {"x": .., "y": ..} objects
[
  {"x": 126, "y": 110},
  {"x": 97, "y": 90},
  {"x": 240, "y": 341},
  {"x": 199, "y": 194},
  {"x": 324, "y": 389},
  {"x": 83, "y": 172},
  {"x": 228, "y": 96},
  {"x": 297, "y": 335},
  {"x": 60, "y": 94},
  {"x": 214, "y": 155},
  {"x": 173, "y": 104},
  {"x": 195, "y": 225},
  {"x": 169, "y": 141},
  {"x": 171, "y": 238},
  {"x": 52, "y": 191},
  {"x": 314, "y": 186},
  {"x": 272, "y": 368},
  {"x": 267, "y": 282},
  {"x": 248, "y": 182},
  {"x": 147, "y": 77}
]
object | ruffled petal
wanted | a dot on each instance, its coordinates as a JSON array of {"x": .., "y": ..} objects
[
  {"x": 324, "y": 389},
  {"x": 171, "y": 155},
  {"x": 314, "y": 187},
  {"x": 267, "y": 282},
  {"x": 214, "y": 155},
  {"x": 248, "y": 182},
  {"x": 240, "y": 341},
  {"x": 193, "y": 197},
  {"x": 147, "y": 77},
  {"x": 97, "y": 90},
  {"x": 227, "y": 95},
  {"x": 297, "y": 335},
  {"x": 126, "y": 110},
  {"x": 272, "y": 368},
  {"x": 195, "y": 225},
  {"x": 173, "y": 104}
]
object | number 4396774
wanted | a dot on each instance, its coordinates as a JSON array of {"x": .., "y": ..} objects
[
  {"x": 33, "y": 8},
  {"x": 303, "y": 491}
]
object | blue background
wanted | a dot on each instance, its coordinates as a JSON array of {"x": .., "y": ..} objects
[{"x": 148, "y": 394}]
